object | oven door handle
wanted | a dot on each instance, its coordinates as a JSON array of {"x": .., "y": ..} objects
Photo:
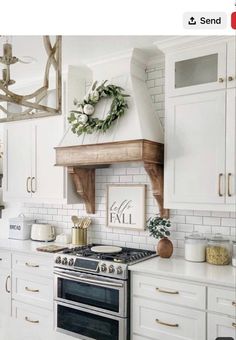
[{"x": 87, "y": 280}]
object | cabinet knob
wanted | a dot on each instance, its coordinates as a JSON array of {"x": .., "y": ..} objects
[
  {"x": 221, "y": 80},
  {"x": 230, "y": 78}
]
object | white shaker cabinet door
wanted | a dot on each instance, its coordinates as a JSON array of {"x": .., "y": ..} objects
[
  {"x": 17, "y": 160},
  {"x": 47, "y": 179},
  {"x": 231, "y": 64},
  {"x": 231, "y": 148},
  {"x": 221, "y": 326},
  {"x": 195, "y": 150},
  {"x": 5, "y": 294}
]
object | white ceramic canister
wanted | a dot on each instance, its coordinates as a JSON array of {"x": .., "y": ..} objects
[{"x": 195, "y": 247}]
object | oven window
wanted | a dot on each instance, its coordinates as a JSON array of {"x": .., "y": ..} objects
[
  {"x": 92, "y": 295},
  {"x": 87, "y": 324}
]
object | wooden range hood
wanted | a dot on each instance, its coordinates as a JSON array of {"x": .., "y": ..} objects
[{"x": 82, "y": 160}]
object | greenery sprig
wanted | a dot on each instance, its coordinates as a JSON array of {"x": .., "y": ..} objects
[
  {"x": 81, "y": 120},
  {"x": 158, "y": 227}
]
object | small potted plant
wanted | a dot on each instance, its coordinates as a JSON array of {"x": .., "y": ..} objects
[{"x": 159, "y": 229}]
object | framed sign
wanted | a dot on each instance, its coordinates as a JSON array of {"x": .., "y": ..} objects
[{"x": 126, "y": 206}]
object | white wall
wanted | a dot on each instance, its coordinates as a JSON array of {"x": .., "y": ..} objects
[{"x": 183, "y": 222}]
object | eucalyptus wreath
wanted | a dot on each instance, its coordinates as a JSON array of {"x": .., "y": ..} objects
[{"x": 81, "y": 118}]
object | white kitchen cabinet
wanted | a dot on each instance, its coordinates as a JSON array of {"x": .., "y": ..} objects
[
  {"x": 231, "y": 65},
  {"x": 29, "y": 158},
  {"x": 17, "y": 160},
  {"x": 195, "y": 150},
  {"x": 5, "y": 285},
  {"x": 221, "y": 326},
  {"x": 198, "y": 69},
  {"x": 230, "y": 192},
  {"x": 201, "y": 68},
  {"x": 159, "y": 321}
]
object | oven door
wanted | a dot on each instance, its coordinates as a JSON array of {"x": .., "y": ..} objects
[
  {"x": 87, "y": 325},
  {"x": 92, "y": 291}
]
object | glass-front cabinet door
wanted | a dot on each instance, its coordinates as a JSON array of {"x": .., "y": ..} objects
[{"x": 197, "y": 70}]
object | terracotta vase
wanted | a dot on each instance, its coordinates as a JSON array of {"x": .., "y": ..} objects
[{"x": 165, "y": 248}]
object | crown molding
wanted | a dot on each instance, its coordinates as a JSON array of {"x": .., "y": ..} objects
[{"x": 176, "y": 43}]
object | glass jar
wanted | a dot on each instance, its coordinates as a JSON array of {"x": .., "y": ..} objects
[
  {"x": 234, "y": 254},
  {"x": 195, "y": 248},
  {"x": 218, "y": 250}
]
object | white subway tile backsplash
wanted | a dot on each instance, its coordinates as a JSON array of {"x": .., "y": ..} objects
[{"x": 184, "y": 222}]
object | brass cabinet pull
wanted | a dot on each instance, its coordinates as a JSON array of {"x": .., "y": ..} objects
[
  {"x": 230, "y": 78},
  {"x": 27, "y": 185},
  {"x": 31, "y": 265},
  {"x": 167, "y": 324},
  {"x": 6, "y": 284},
  {"x": 221, "y": 80},
  {"x": 31, "y": 321},
  {"x": 234, "y": 324},
  {"x": 33, "y": 179},
  {"x": 234, "y": 303},
  {"x": 31, "y": 290},
  {"x": 167, "y": 291},
  {"x": 229, "y": 184},
  {"x": 219, "y": 185},
  {"x": 0, "y": 259}
]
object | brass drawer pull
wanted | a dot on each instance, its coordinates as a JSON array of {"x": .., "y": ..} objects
[
  {"x": 167, "y": 324},
  {"x": 31, "y": 321},
  {"x": 27, "y": 185},
  {"x": 167, "y": 291},
  {"x": 31, "y": 290},
  {"x": 219, "y": 185},
  {"x": 6, "y": 284},
  {"x": 234, "y": 324},
  {"x": 234, "y": 303},
  {"x": 229, "y": 184},
  {"x": 32, "y": 265},
  {"x": 33, "y": 179}
]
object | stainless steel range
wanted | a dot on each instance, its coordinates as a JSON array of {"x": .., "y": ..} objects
[{"x": 92, "y": 291}]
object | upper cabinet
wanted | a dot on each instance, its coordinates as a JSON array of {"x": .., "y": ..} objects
[
  {"x": 200, "y": 128},
  {"x": 30, "y": 174},
  {"x": 201, "y": 69}
]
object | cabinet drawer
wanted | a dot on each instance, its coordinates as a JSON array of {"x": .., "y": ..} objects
[
  {"x": 222, "y": 301},
  {"x": 161, "y": 321},
  {"x": 33, "y": 317},
  {"x": 33, "y": 289},
  {"x": 221, "y": 326},
  {"x": 5, "y": 259},
  {"x": 33, "y": 264},
  {"x": 169, "y": 291}
]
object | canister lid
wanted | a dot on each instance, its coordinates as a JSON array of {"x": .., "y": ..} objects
[
  {"x": 195, "y": 236},
  {"x": 218, "y": 238}
]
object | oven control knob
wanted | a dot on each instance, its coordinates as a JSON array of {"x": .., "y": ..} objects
[
  {"x": 119, "y": 270},
  {"x": 103, "y": 267},
  {"x": 111, "y": 269},
  {"x": 64, "y": 261},
  {"x": 71, "y": 262},
  {"x": 58, "y": 259}
]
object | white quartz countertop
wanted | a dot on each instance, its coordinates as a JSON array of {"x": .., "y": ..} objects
[
  {"x": 25, "y": 246},
  {"x": 177, "y": 267}
]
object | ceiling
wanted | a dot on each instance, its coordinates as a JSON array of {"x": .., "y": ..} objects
[{"x": 75, "y": 50}]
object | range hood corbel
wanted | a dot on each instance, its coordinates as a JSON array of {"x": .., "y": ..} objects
[{"x": 82, "y": 160}]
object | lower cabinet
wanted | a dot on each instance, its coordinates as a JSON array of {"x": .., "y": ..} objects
[
  {"x": 5, "y": 284},
  {"x": 221, "y": 326},
  {"x": 167, "y": 309},
  {"x": 160, "y": 321}
]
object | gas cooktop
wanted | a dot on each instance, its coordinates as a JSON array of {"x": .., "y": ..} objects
[
  {"x": 126, "y": 255},
  {"x": 84, "y": 259}
]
